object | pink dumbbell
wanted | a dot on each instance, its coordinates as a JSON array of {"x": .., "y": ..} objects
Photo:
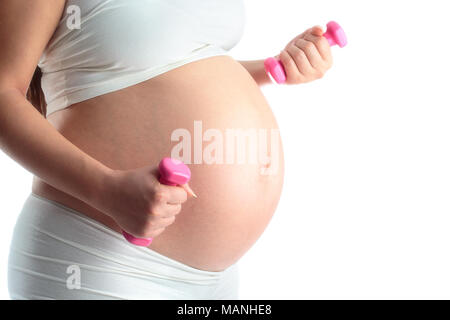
[
  {"x": 172, "y": 172},
  {"x": 335, "y": 36}
]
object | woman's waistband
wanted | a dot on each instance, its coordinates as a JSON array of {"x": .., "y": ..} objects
[{"x": 48, "y": 226}]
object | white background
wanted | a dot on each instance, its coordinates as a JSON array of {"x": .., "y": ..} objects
[{"x": 365, "y": 209}]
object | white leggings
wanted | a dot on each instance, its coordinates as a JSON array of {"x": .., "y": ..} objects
[{"x": 58, "y": 253}]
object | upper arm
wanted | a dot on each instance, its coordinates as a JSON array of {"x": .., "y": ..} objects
[{"x": 26, "y": 26}]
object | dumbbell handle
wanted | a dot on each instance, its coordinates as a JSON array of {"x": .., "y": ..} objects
[
  {"x": 335, "y": 36},
  {"x": 172, "y": 172}
]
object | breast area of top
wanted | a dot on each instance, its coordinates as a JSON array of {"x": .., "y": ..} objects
[{"x": 123, "y": 42}]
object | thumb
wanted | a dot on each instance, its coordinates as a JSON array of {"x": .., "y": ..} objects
[{"x": 317, "y": 31}]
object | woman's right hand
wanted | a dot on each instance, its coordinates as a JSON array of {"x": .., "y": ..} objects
[{"x": 138, "y": 203}]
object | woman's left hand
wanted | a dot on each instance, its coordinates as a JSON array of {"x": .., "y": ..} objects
[{"x": 306, "y": 57}]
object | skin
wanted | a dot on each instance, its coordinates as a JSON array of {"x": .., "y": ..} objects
[{"x": 100, "y": 156}]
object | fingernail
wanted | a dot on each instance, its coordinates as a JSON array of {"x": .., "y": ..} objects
[
  {"x": 318, "y": 28},
  {"x": 189, "y": 190}
]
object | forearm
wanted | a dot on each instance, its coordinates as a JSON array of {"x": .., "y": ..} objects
[
  {"x": 257, "y": 71},
  {"x": 29, "y": 139}
]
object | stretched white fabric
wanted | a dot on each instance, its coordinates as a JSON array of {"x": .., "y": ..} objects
[{"x": 51, "y": 240}]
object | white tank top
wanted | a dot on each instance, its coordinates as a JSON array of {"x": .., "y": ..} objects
[{"x": 120, "y": 43}]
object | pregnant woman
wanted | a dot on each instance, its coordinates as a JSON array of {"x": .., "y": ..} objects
[{"x": 91, "y": 93}]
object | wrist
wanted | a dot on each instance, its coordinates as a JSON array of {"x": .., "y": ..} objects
[
  {"x": 261, "y": 76},
  {"x": 257, "y": 70},
  {"x": 101, "y": 186}
]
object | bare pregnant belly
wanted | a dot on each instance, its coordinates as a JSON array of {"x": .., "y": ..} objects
[{"x": 213, "y": 115}]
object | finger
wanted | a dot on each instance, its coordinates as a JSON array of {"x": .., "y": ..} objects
[
  {"x": 316, "y": 31},
  {"x": 322, "y": 46},
  {"x": 165, "y": 222},
  {"x": 176, "y": 195},
  {"x": 313, "y": 55},
  {"x": 301, "y": 60},
  {"x": 300, "y": 36},
  {"x": 171, "y": 210},
  {"x": 293, "y": 74},
  {"x": 164, "y": 211},
  {"x": 155, "y": 233}
]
